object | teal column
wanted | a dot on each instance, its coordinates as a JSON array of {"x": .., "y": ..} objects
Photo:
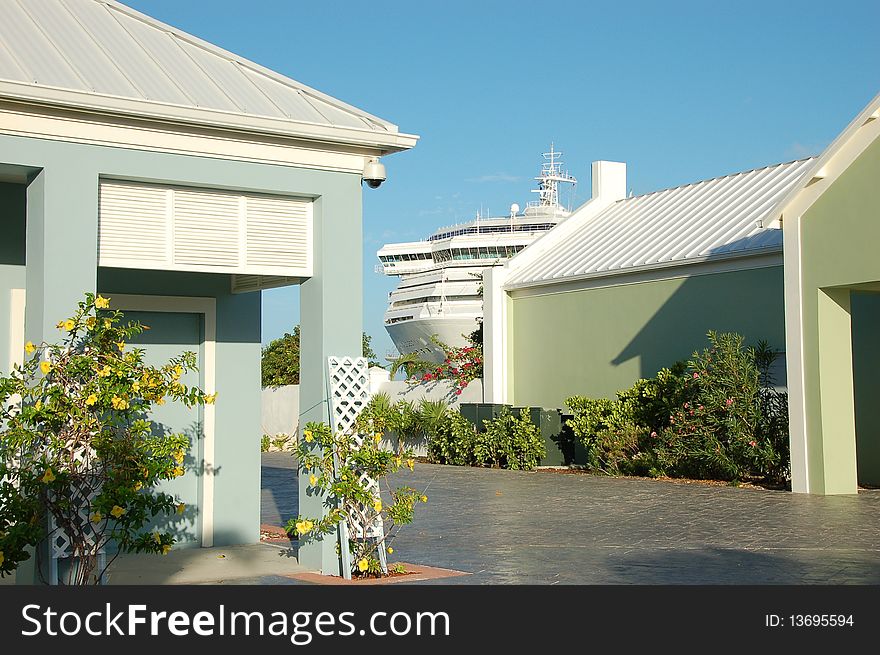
[
  {"x": 331, "y": 314},
  {"x": 61, "y": 265}
]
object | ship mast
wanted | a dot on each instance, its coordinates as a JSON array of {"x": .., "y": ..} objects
[{"x": 549, "y": 179}]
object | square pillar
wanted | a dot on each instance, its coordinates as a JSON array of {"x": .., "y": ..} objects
[
  {"x": 331, "y": 318},
  {"x": 61, "y": 265},
  {"x": 837, "y": 434}
]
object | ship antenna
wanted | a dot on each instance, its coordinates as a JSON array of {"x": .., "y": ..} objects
[{"x": 549, "y": 179}]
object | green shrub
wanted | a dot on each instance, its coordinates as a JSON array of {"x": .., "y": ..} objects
[
  {"x": 453, "y": 440},
  {"x": 510, "y": 442},
  {"x": 507, "y": 441},
  {"x": 265, "y": 442},
  {"x": 716, "y": 417}
]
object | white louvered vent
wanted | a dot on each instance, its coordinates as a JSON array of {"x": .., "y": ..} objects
[
  {"x": 134, "y": 225},
  {"x": 147, "y": 226},
  {"x": 207, "y": 229},
  {"x": 247, "y": 283},
  {"x": 277, "y": 233}
]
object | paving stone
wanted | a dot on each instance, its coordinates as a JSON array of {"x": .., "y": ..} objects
[{"x": 512, "y": 527}]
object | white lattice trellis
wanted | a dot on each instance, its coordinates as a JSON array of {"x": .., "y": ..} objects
[
  {"x": 60, "y": 543},
  {"x": 349, "y": 391}
]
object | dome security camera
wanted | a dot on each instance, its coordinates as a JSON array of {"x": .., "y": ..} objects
[{"x": 374, "y": 173}]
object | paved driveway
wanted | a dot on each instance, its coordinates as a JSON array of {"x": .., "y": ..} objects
[{"x": 508, "y": 527}]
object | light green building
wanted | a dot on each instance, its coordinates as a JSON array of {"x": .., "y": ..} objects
[
  {"x": 831, "y": 222},
  {"x": 179, "y": 180},
  {"x": 628, "y": 285}
]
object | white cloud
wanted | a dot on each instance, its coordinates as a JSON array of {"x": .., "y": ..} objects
[{"x": 495, "y": 177}]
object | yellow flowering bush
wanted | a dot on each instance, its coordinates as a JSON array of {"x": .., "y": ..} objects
[
  {"x": 76, "y": 442},
  {"x": 335, "y": 465}
]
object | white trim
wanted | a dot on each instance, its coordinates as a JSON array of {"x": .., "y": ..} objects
[
  {"x": 668, "y": 271},
  {"x": 207, "y": 307},
  {"x": 16, "y": 328},
  {"x": 177, "y": 139},
  {"x": 383, "y": 142},
  {"x": 794, "y": 347},
  {"x": 836, "y": 158},
  {"x": 495, "y": 335}
]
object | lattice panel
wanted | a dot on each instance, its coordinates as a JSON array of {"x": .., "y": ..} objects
[
  {"x": 60, "y": 543},
  {"x": 349, "y": 393}
]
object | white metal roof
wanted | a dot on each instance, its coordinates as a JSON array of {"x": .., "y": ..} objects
[
  {"x": 59, "y": 51},
  {"x": 713, "y": 219}
]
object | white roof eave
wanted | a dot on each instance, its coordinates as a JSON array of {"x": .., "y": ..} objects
[
  {"x": 385, "y": 141},
  {"x": 630, "y": 270}
]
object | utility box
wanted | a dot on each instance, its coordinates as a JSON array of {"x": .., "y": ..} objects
[
  {"x": 551, "y": 426},
  {"x": 476, "y": 413},
  {"x": 558, "y": 441}
]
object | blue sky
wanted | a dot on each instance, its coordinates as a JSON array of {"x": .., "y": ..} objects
[{"x": 680, "y": 91}]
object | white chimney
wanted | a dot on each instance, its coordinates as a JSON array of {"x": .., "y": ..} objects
[{"x": 609, "y": 180}]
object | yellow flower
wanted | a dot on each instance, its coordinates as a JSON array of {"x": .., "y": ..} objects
[
  {"x": 91, "y": 400},
  {"x": 390, "y": 550},
  {"x": 120, "y": 345},
  {"x": 410, "y": 463},
  {"x": 29, "y": 347},
  {"x": 178, "y": 471},
  {"x": 424, "y": 499},
  {"x": 137, "y": 486},
  {"x": 166, "y": 548},
  {"x": 377, "y": 437},
  {"x": 119, "y": 403},
  {"x": 68, "y": 324},
  {"x": 181, "y": 507},
  {"x": 107, "y": 322},
  {"x": 45, "y": 366},
  {"x": 377, "y": 505},
  {"x": 307, "y": 435},
  {"x": 117, "y": 511},
  {"x": 48, "y": 476},
  {"x": 178, "y": 456},
  {"x": 135, "y": 386},
  {"x": 97, "y": 517},
  {"x": 160, "y": 401},
  {"x": 363, "y": 565},
  {"x": 38, "y": 405},
  {"x": 90, "y": 322},
  {"x": 178, "y": 371},
  {"x": 104, "y": 372},
  {"x": 60, "y": 325},
  {"x": 210, "y": 398},
  {"x": 304, "y": 526},
  {"x": 313, "y": 479},
  {"x": 101, "y": 302},
  {"x": 157, "y": 537}
]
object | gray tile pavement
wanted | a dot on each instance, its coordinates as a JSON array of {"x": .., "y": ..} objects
[{"x": 509, "y": 527}]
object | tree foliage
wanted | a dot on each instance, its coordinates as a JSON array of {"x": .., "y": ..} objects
[{"x": 279, "y": 365}]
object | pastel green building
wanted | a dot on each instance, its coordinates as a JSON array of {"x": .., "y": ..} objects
[
  {"x": 628, "y": 285},
  {"x": 180, "y": 180},
  {"x": 831, "y": 223}
]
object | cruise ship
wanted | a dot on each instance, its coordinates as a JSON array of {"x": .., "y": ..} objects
[{"x": 440, "y": 290}]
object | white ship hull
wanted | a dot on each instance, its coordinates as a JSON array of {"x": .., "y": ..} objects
[{"x": 414, "y": 336}]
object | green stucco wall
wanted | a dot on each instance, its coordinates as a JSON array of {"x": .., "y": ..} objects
[
  {"x": 840, "y": 234},
  {"x": 595, "y": 342}
]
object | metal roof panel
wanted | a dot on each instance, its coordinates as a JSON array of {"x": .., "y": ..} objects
[{"x": 715, "y": 218}]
